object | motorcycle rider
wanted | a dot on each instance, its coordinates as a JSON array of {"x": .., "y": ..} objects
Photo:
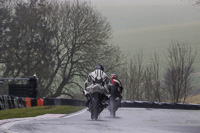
[
  {"x": 116, "y": 83},
  {"x": 98, "y": 78}
]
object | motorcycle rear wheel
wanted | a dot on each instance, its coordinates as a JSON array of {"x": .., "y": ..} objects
[
  {"x": 95, "y": 106},
  {"x": 112, "y": 108}
]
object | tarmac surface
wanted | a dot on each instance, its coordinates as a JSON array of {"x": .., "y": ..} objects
[{"x": 128, "y": 120}]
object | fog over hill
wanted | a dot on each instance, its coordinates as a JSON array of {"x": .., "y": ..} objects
[
  {"x": 157, "y": 39},
  {"x": 151, "y": 25}
]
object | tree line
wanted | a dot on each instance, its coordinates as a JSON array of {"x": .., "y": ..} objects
[
  {"x": 61, "y": 42},
  {"x": 151, "y": 81}
]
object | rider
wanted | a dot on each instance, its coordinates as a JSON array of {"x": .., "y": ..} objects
[
  {"x": 98, "y": 78},
  {"x": 116, "y": 83}
]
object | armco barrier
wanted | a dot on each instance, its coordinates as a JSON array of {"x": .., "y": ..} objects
[
  {"x": 73, "y": 102},
  {"x": 33, "y": 102},
  {"x": 10, "y": 102},
  {"x": 146, "y": 104},
  {"x": 62, "y": 101}
]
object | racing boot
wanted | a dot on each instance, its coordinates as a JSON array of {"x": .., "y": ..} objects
[
  {"x": 105, "y": 101},
  {"x": 88, "y": 100}
]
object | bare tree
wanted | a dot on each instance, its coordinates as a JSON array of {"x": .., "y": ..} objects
[
  {"x": 152, "y": 87},
  {"x": 29, "y": 46},
  {"x": 124, "y": 78},
  {"x": 5, "y": 19},
  {"x": 82, "y": 31},
  {"x": 57, "y": 41},
  {"x": 177, "y": 79},
  {"x": 132, "y": 77}
]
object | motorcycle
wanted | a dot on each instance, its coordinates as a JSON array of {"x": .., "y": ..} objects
[
  {"x": 96, "y": 103},
  {"x": 114, "y": 102}
]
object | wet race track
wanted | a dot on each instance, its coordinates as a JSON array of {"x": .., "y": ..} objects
[{"x": 128, "y": 120}]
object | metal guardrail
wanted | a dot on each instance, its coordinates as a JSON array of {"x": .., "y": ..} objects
[
  {"x": 2, "y": 79},
  {"x": 147, "y": 104},
  {"x": 29, "y": 89},
  {"x": 14, "y": 79},
  {"x": 9, "y": 102}
]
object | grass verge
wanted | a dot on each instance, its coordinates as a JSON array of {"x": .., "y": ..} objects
[
  {"x": 38, "y": 110},
  {"x": 193, "y": 99}
]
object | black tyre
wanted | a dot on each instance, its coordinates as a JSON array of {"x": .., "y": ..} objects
[
  {"x": 95, "y": 106},
  {"x": 112, "y": 108}
]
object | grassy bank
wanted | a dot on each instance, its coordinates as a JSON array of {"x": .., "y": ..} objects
[
  {"x": 35, "y": 111},
  {"x": 193, "y": 99}
]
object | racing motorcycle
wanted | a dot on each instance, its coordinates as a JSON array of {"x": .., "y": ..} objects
[
  {"x": 114, "y": 102},
  {"x": 96, "y": 105}
]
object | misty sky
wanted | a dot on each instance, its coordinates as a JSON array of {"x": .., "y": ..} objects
[
  {"x": 151, "y": 25},
  {"x": 136, "y": 14}
]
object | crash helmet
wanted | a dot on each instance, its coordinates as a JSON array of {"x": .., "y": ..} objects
[
  {"x": 99, "y": 67},
  {"x": 114, "y": 76}
]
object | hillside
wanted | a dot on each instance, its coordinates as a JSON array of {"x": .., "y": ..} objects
[
  {"x": 193, "y": 99},
  {"x": 158, "y": 39}
]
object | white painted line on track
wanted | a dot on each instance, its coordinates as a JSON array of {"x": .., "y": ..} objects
[
  {"x": 75, "y": 114},
  {"x": 7, "y": 124},
  {"x": 5, "y": 127}
]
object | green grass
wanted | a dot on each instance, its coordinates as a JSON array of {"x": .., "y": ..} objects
[{"x": 35, "y": 111}]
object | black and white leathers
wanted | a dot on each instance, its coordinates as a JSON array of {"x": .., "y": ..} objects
[{"x": 96, "y": 77}]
